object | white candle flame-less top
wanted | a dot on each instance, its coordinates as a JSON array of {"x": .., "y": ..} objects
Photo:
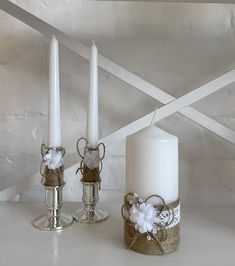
[
  {"x": 54, "y": 127},
  {"x": 152, "y": 164},
  {"x": 92, "y": 112}
]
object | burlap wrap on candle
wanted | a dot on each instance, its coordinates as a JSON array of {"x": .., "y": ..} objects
[
  {"x": 52, "y": 177},
  {"x": 162, "y": 242},
  {"x": 90, "y": 174}
]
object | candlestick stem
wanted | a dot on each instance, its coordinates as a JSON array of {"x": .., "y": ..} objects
[
  {"x": 54, "y": 220},
  {"x": 90, "y": 213},
  {"x": 91, "y": 183}
]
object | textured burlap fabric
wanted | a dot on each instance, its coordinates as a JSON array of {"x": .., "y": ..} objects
[
  {"x": 164, "y": 242},
  {"x": 53, "y": 178},
  {"x": 90, "y": 175}
]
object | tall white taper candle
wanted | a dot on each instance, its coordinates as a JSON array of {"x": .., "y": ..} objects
[
  {"x": 92, "y": 112},
  {"x": 54, "y": 127},
  {"x": 152, "y": 164}
]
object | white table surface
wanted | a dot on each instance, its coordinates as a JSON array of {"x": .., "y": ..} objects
[{"x": 207, "y": 238}]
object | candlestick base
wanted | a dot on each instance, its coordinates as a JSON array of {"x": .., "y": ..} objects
[
  {"x": 46, "y": 223},
  {"x": 90, "y": 214},
  {"x": 53, "y": 183},
  {"x": 90, "y": 217},
  {"x": 54, "y": 220}
]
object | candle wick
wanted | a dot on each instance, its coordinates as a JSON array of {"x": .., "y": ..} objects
[{"x": 154, "y": 114}]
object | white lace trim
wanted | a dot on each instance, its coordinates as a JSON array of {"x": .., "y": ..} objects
[{"x": 173, "y": 215}]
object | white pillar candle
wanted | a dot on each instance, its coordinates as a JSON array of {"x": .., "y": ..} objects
[
  {"x": 54, "y": 127},
  {"x": 152, "y": 164},
  {"x": 92, "y": 112}
]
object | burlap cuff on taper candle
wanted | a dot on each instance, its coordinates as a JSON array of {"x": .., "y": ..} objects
[
  {"x": 53, "y": 177},
  {"x": 91, "y": 163},
  {"x": 53, "y": 173},
  {"x": 159, "y": 238},
  {"x": 90, "y": 175}
]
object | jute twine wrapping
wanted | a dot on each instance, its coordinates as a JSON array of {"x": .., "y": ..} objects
[
  {"x": 163, "y": 242},
  {"x": 88, "y": 174},
  {"x": 52, "y": 177}
]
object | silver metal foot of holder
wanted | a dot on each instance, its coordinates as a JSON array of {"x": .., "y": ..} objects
[
  {"x": 54, "y": 220},
  {"x": 90, "y": 214}
]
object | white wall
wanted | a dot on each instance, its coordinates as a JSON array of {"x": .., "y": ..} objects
[{"x": 175, "y": 46}]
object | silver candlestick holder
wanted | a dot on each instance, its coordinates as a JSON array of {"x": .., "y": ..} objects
[
  {"x": 54, "y": 220},
  {"x": 90, "y": 213},
  {"x": 90, "y": 167},
  {"x": 53, "y": 183}
]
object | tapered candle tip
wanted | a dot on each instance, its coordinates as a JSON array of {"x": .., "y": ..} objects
[
  {"x": 93, "y": 42},
  {"x": 53, "y": 38}
]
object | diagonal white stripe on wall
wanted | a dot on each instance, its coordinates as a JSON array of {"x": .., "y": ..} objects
[{"x": 172, "y": 105}]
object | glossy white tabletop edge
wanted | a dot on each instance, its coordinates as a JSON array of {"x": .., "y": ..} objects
[{"x": 207, "y": 238}]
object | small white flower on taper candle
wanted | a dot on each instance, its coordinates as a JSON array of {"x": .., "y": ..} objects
[
  {"x": 54, "y": 127},
  {"x": 92, "y": 159},
  {"x": 53, "y": 159}
]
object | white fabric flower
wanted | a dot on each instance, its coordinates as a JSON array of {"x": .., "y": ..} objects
[
  {"x": 92, "y": 159},
  {"x": 53, "y": 159},
  {"x": 143, "y": 216}
]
